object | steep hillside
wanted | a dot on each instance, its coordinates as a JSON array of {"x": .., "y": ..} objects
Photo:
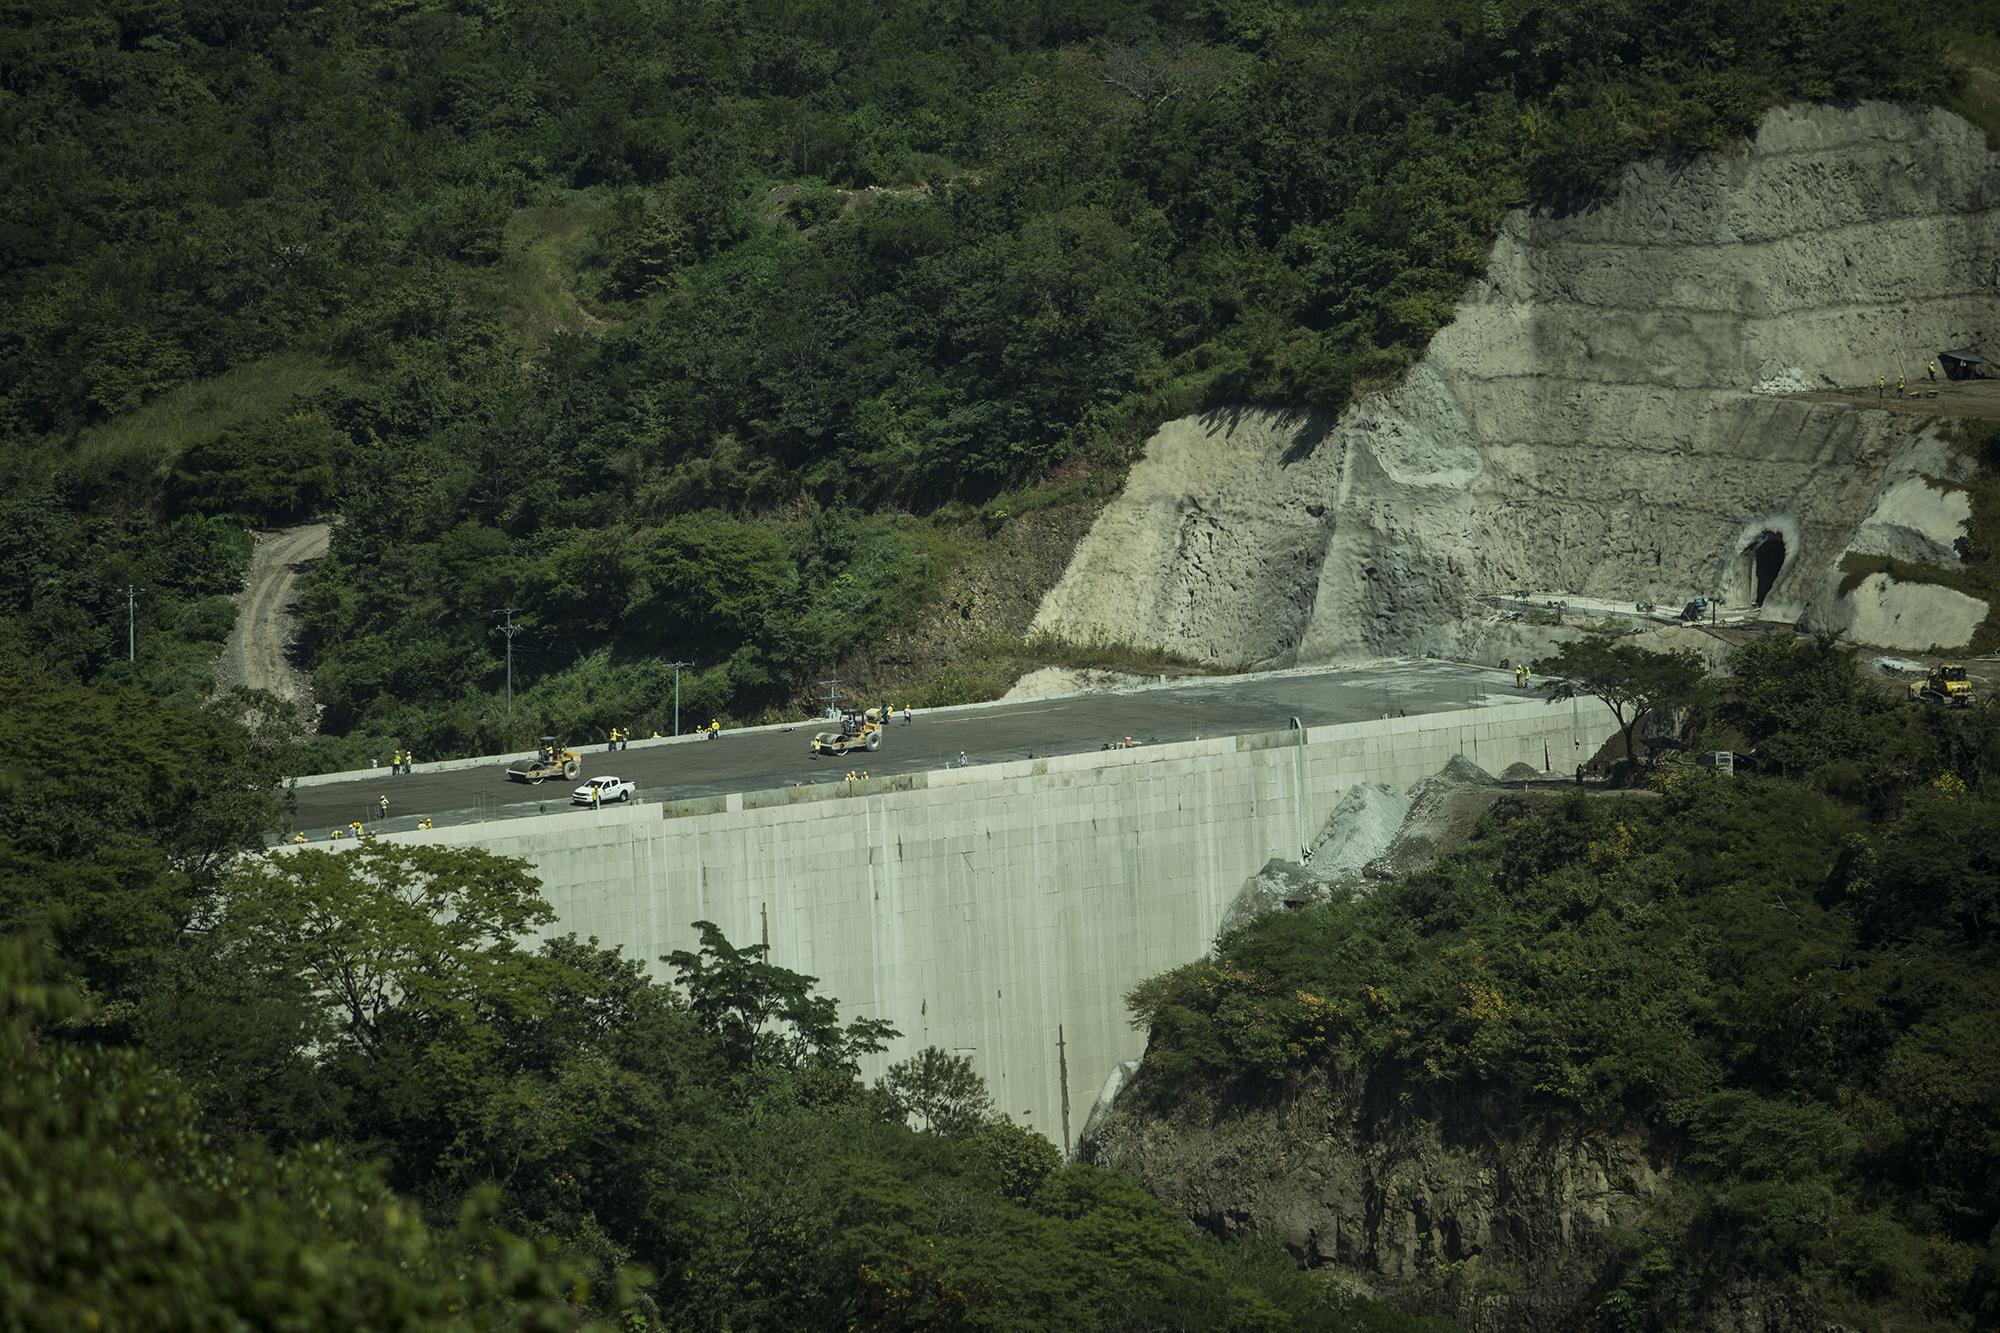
[{"x": 1614, "y": 411}]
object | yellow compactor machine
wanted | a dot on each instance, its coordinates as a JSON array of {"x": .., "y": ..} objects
[
  {"x": 553, "y": 760},
  {"x": 858, "y": 731}
]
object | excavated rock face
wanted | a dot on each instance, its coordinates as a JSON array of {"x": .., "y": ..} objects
[
  {"x": 1605, "y": 415},
  {"x": 1415, "y": 1200}
]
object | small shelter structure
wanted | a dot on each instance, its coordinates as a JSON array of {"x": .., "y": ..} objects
[{"x": 1963, "y": 363}]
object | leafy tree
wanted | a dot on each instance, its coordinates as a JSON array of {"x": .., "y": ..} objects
[
  {"x": 1631, "y": 681},
  {"x": 122, "y": 846},
  {"x": 941, "y": 1090},
  {"x": 123, "y": 1215},
  {"x": 387, "y": 937},
  {"x": 1803, "y": 705},
  {"x": 766, "y": 1017},
  {"x": 1018, "y": 1159}
]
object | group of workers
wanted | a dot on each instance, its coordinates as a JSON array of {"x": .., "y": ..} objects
[
  {"x": 1522, "y": 675},
  {"x": 1882, "y": 382},
  {"x": 621, "y": 737},
  {"x": 356, "y": 829},
  {"x": 400, "y": 761}
]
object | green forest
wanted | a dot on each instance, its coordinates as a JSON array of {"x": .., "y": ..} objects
[
  {"x": 743, "y": 334},
  {"x": 1786, "y": 982}
]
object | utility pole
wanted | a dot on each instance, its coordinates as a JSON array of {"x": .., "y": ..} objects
[
  {"x": 832, "y": 694},
  {"x": 131, "y": 621},
  {"x": 677, "y": 693},
  {"x": 510, "y": 629}
]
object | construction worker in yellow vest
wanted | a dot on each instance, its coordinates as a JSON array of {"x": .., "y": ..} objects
[{"x": 299, "y": 838}]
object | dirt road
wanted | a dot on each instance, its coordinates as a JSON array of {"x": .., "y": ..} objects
[
  {"x": 1972, "y": 400},
  {"x": 255, "y": 654}
]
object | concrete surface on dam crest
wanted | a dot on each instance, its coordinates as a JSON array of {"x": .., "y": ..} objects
[
  {"x": 979, "y": 909},
  {"x": 1613, "y": 412}
]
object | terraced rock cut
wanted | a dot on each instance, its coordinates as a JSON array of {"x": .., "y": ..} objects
[{"x": 1640, "y": 401}]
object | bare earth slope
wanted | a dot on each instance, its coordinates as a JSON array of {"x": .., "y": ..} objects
[
  {"x": 1616, "y": 411},
  {"x": 255, "y": 654}
]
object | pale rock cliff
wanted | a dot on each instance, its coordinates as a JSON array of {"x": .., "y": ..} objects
[{"x": 1607, "y": 415}]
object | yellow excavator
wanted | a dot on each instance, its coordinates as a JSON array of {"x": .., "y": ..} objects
[{"x": 1947, "y": 684}]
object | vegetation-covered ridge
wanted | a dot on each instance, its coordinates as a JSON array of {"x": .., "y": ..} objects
[
  {"x": 1786, "y": 980},
  {"x": 659, "y": 322}
]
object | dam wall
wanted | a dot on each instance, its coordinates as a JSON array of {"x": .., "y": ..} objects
[{"x": 1002, "y": 912}]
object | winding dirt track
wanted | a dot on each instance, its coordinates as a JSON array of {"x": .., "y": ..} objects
[{"x": 255, "y": 653}]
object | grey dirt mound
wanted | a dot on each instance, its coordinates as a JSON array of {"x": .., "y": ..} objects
[
  {"x": 1619, "y": 410},
  {"x": 1374, "y": 833},
  {"x": 1444, "y": 811}
]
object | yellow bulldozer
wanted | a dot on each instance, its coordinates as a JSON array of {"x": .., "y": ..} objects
[
  {"x": 1947, "y": 684},
  {"x": 553, "y": 760}
]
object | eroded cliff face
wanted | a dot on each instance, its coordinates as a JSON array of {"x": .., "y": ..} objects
[
  {"x": 1437, "y": 1202},
  {"x": 1612, "y": 413},
  {"x": 1446, "y": 1209}
]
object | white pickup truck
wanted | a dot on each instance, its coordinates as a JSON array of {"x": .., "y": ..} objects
[{"x": 603, "y": 791}]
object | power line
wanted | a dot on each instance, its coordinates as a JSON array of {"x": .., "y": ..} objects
[{"x": 510, "y": 629}]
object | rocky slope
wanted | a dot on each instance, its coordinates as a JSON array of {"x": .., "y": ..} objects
[
  {"x": 1614, "y": 412},
  {"x": 1435, "y": 1205}
]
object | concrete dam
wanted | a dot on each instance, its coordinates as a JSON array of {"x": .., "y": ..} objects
[{"x": 1001, "y": 911}]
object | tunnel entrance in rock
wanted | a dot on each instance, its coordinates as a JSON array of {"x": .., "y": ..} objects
[{"x": 1763, "y": 561}]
